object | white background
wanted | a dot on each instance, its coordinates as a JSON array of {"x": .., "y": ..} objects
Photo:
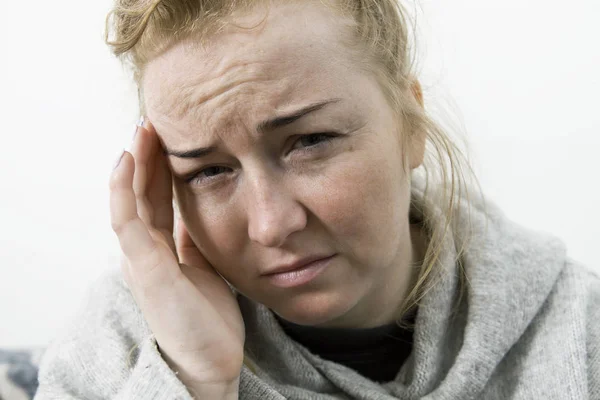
[{"x": 522, "y": 74}]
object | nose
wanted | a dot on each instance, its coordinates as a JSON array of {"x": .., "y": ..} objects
[{"x": 274, "y": 212}]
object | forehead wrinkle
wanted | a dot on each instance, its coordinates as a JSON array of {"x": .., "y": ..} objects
[
  {"x": 235, "y": 105},
  {"x": 192, "y": 96},
  {"x": 192, "y": 87},
  {"x": 233, "y": 114},
  {"x": 229, "y": 115},
  {"x": 174, "y": 130}
]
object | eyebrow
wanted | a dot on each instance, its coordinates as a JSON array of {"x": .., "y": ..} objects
[{"x": 265, "y": 126}]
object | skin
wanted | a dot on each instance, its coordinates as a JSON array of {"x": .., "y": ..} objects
[{"x": 263, "y": 199}]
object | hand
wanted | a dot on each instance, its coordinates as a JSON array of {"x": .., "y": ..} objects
[{"x": 190, "y": 309}]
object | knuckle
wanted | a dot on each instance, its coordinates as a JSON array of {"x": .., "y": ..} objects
[{"x": 119, "y": 226}]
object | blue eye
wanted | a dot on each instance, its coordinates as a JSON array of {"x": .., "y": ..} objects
[
  {"x": 207, "y": 174},
  {"x": 306, "y": 143},
  {"x": 313, "y": 140}
]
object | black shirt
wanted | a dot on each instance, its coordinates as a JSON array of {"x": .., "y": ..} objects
[{"x": 376, "y": 353}]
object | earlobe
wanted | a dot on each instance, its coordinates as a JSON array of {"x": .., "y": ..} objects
[
  {"x": 417, "y": 92},
  {"x": 417, "y": 149},
  {"x": 418, "y": 139}
]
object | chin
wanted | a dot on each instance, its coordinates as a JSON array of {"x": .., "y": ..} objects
[{"x": 314, "y": 309}]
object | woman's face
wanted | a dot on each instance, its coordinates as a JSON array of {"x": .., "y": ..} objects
[{"x": 287, "y": 150}]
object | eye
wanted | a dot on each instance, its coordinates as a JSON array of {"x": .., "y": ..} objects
[
  {"x": 314, "y": 140},
  {"x": 207, "y": 174}
]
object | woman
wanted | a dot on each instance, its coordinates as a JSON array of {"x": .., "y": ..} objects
[{"x": 323, "y": 250}]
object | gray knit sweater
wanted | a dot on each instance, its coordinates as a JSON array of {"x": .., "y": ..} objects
[{"x": 528, "y": 328}]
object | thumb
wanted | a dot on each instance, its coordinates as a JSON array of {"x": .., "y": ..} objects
[{"x": 187, "y": 251}]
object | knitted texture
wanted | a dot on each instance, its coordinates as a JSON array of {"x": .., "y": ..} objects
[{"x": 526, "y": 328}]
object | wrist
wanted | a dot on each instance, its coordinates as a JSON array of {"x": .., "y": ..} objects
[
  {"x": 199, "y": 389},
  {"x": 217, "y": 391}
]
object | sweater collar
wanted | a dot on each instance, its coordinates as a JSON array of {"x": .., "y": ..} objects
[{"x": 509, "y": 270}]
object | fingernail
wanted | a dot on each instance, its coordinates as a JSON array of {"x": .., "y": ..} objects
[
  {"x": 129, "y": 147},
  {"x": 118, "y": 160},
  {"x": 139, "y": 124}
]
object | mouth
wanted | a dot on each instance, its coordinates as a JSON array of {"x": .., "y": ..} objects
[{"x": 298, "y": 273}]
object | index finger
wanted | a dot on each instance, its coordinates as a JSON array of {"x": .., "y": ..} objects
[
  {"x": 150, "y": 264},
  {"x": 160, "y": 189}
]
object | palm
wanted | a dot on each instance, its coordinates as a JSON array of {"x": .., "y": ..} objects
[
  {"x": 198, "y": 325},
  {"x": 190, "y": 309}
]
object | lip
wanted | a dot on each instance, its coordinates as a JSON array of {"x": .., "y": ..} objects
[
  {"x": 298, "y": 264},
  {"x": 298, "y": 273}
]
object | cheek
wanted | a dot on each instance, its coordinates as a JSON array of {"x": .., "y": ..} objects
[
  {"x": 215, "y": 227},
  {"x": 360, "y": 202}
]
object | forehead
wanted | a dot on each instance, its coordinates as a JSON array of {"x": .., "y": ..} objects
[{"x": 295, "y": 56}]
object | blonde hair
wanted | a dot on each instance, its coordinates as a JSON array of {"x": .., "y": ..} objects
[{"x": 142, "y": 29}]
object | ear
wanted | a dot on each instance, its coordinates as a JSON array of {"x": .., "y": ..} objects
[
  {"x": 418, "y": 139},
  {"x": 417, "y": 92}
]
